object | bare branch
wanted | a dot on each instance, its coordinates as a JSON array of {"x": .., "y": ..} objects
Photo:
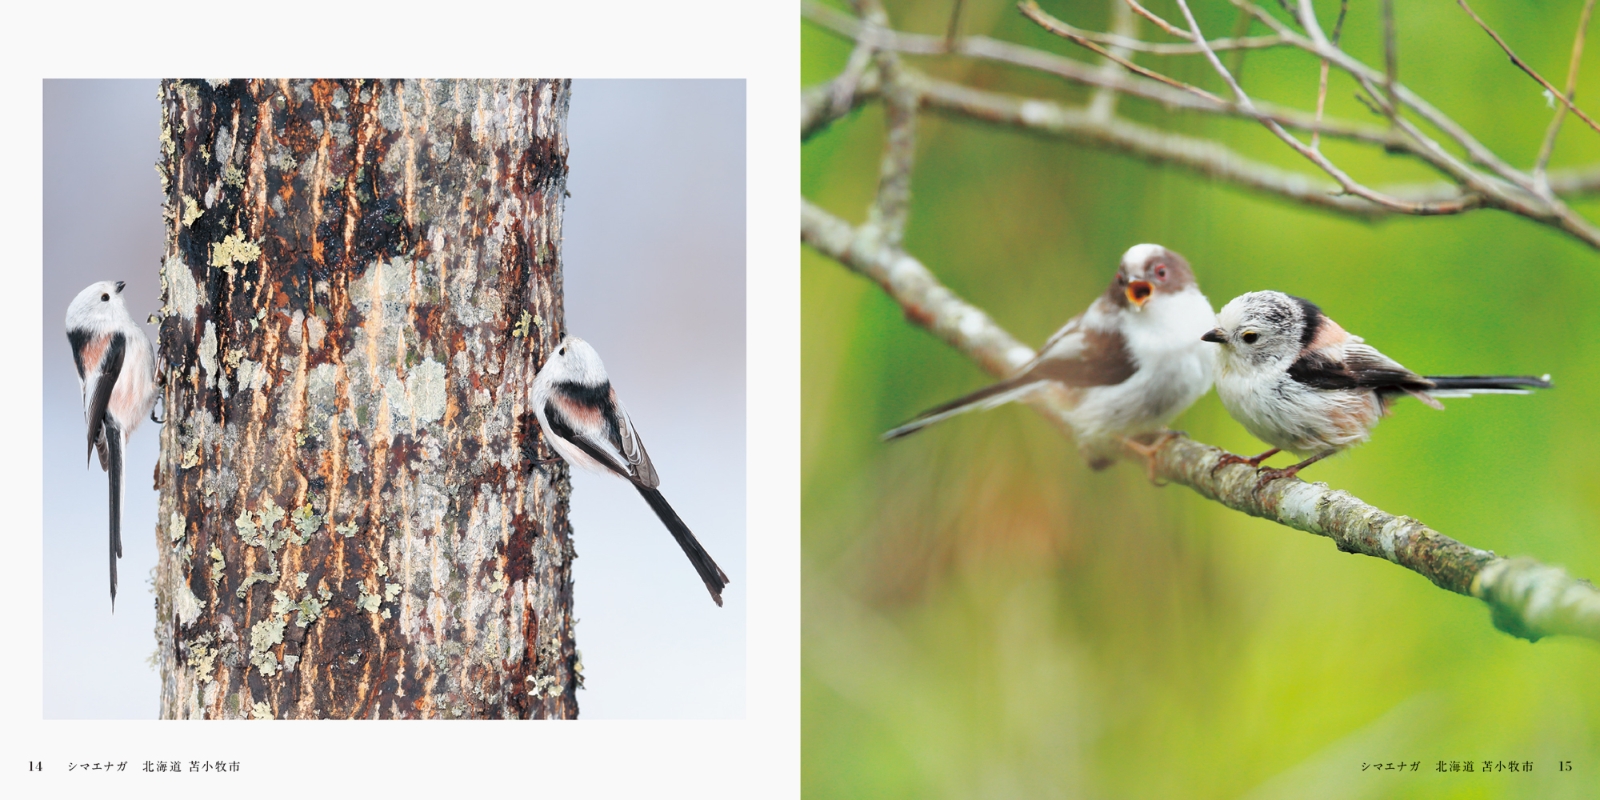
[
  {"x": 1032, "y": 11},
  {"x": 1549, "y": 144},
  {"x": 844, "y": 87},
  {"x": 926, "y": 302},
  {"x": 1159, "y": 22},
  {"x": 955, "y": 25},
  {"x": 1103, "y": 104},
  {"x": 1126, "y": 42},
  {"x": 887, "y": 216},
  {"x": 1202, "y": 156},
  {"x": 1322, "y": 80},
  {"x": 1078, "y": 72},
  {"x": 1526, "y": 598},
  {"x": 1349, "y": 184},
  {"x": 1523, "y": 65},
  {"x": 1468, "y": 188},
  {"x": 817, "y": 107},
  {"x": 1391, "y": 56}
]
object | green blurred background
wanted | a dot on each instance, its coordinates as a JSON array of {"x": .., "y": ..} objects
[{"x": 985, "y": 617}]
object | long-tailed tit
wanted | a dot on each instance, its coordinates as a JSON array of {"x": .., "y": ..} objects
[
  {"x": 1299, "y": 382},
  {"x": 585, "y": 423},
  {"x": 116, "y": 370},
  {"x": 1131, "y": 363}
]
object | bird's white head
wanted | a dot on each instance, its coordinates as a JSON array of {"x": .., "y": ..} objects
[
  {"x": 98, "y": 308},
  {"x": 1261, "y": 329},
  {"x": 574, "y": 361}
]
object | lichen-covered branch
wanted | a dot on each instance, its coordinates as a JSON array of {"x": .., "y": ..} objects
[{"x": 1527, "y": 599}]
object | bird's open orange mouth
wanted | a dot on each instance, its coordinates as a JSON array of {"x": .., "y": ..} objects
[{"x": 1139, "y": 292}]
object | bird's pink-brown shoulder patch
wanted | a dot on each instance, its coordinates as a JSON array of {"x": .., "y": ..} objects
[
  {"x": 1329, "y": 334},
  {"x": 579, "y": 412},
  {"x": 94, "y": 350}
]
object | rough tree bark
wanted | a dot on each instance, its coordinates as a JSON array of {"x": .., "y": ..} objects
[{"x": 360, "y": 280}]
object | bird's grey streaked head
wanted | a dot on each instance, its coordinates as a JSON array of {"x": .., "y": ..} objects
[
  {"x": 1148, "y": 271},
  {"x": 1260, "y": 328},
  {"x": 99, "y": 307}
]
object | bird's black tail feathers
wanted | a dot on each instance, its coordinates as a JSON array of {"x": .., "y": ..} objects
[
  {"x": 709, "y": 571},
  {"x": 987, "y": 397},
  {"x": 113, "y": 439},
  {"x": 1488, "y": 383}
]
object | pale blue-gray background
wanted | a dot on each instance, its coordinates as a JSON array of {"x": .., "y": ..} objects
[{"x": 655, "y": 280}]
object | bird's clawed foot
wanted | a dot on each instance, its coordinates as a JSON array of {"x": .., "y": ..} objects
[
  {"x": 1148, "y": 452},
  {"x": 1254, "y": 462},
  {"x": 1267, "y": 476}
]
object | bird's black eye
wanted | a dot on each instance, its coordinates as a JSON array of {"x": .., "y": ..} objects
[
  {"x": 105, "y": 298},
  {"x": 1250, "y": 337},
  {"x": 1122, "y": 279},
  {"x": 1161, "y": 272}
]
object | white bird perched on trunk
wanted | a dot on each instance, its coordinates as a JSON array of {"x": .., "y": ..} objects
[
  {"x": 116, "y": 371},
  {"x": 583, "y": 420}
]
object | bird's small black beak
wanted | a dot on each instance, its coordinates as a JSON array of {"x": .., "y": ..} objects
[
  {"x": 1214, "y": 335},
  {"x": 120, "y": 284}
]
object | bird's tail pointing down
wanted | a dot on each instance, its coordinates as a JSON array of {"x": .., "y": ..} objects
[{"x": 713, "y": 576}]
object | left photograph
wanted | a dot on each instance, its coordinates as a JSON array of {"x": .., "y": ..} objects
[{"x": 341, "y": 377}]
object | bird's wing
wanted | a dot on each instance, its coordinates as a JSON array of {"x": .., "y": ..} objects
[
  {"x": 1354, "y": 364},
  {"x": 98, "y": 385},
  {"x": 593, "y": 421},
  {"x": 1081, "y": 355}
]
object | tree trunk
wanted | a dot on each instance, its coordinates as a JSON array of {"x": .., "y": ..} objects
[{"x": 361, "y": 280}]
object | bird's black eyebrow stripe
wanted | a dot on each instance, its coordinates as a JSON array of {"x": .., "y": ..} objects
[{"x": 1313, "y": 320}]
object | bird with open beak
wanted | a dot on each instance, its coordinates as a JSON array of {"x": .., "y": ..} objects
[{"x": 1130, "y": 363}]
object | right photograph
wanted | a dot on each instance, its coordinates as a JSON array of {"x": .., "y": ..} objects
[{"x": 1197, "y": 398}]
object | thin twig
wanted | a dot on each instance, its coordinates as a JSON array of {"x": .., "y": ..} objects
[
  {"x": 1526, "y": 598},
  {"x": 1345, "y": 181},
  {"x": 844, "y": 87},
  {"x": 1241, "y": 27},
  {"x": 1159, "y": 22},
  {"x": 955, "y": 25},
  {"x": 1103, "y": 104},
  {"x": 1322, "y": 81},
  {"x": 1523, "y": 65},
  {"x": 1125, "y": 42},
  {"x": 1508, "y": 189},
  {"x": 893, "y": 203},
  {"x": 982, "y": 47},
  {"x": 1032, "y": 11},
  {"x": 1549, "y": 144},
  {"x": 1391, "y": 56}
]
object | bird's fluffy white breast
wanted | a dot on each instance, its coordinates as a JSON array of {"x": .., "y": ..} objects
[
  {"x": 1289, "y": 415},
  {"x": 1174, "y": 368}
]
